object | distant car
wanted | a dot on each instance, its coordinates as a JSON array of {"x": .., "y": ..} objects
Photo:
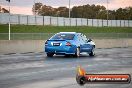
[{"x": 69, "y": 43}]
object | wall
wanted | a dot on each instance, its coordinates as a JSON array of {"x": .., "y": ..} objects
[
  {"x": 23, "y": 46},
  {"x": 61, "y": 21}
]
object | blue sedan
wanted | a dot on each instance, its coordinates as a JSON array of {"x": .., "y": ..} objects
[{"x": 69, "y": 43}]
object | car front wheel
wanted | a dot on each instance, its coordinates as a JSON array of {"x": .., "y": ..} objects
[
  {"x": 50, "y": 54},
  {"x": 91, "y": 53}
]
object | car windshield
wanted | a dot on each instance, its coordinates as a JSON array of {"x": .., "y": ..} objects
[{"x": 63, "y": 37}]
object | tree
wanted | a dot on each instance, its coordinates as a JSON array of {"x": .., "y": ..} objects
[
  {"x": 46, "y": 11},
  {"x": 84, "y": 11},
  {"x": 128, "y": 13},
  {"x": 62, "y": 11},
  {"x": 88, "y": 11},
  {"x": 3, "y": 10},
  {"x": 37, "y": 7},
  {"x": 0, "y": 9}
]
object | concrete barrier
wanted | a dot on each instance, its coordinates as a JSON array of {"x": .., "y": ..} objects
[
  {"x": 111, "y": 43},
  {"x": 23, "y": 46}
]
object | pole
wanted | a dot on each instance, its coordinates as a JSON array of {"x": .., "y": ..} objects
[
  {"x": 69, "y": 12},
  {"x": 9, "y": 23},
  {"x": 107, "y": 13},
  {"x": 35, "y": 12}
]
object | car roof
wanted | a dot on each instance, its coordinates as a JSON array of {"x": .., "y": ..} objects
[
  {"x": 70, "y": 32},
  {"x": 67, "y": 32}
]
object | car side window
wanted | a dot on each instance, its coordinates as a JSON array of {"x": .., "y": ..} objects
[
  {"x": 84, "y": 38},
  {"x": 79, "y": 38}
]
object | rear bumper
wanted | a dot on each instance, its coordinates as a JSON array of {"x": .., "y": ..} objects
[{"x": 60, "y": 50}]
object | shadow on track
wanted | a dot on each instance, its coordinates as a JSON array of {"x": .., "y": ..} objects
[{"x": 62, "y": 57}]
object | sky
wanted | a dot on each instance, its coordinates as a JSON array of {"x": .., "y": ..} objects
[{"x": 25, "y": 6}]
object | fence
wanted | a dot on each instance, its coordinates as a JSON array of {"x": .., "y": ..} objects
[
  {"x": 45, "y": 36},
  {"x": 61, "y": 21}
]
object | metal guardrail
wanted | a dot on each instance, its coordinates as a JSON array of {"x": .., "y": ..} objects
[{"x": 44, "y": 36}]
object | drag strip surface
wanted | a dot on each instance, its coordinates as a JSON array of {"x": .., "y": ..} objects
[{"x": 35, "y": 70}]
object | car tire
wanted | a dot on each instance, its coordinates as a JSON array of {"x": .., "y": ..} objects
[
  {"x": 92, "y": 53},
  {"x": 50, "y": 54},
  {"x": 77, "y": 54},
  {"x": 67, "y": 55}
]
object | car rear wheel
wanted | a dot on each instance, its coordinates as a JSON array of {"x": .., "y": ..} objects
[
  {"x": 50, "y": 54},
  {"x": 77, "y": 54}
]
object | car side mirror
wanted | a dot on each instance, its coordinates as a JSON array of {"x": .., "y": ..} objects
[{"x": 89, "y": 40}]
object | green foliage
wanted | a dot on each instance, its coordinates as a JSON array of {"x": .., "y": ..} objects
[
  {"x": 55, "y": 29},
  {"x": 3, "y": 10},
  {"x": 84, "y": 11}
]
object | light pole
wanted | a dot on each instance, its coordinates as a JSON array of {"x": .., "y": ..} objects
[
  {"x": 9, "y": 36},
  {"x": 107, "y": 13},
  {"x": 35, "y": 12},
  {"x": 69, "y": 12}
]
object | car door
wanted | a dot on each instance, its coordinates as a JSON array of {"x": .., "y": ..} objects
[{"x": 85, "y": 46}]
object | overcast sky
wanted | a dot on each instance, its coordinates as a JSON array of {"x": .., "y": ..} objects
[{"x": 25, "y": 6}]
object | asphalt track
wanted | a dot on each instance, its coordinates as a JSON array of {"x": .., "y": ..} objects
[{"x": 35, "y": 70}]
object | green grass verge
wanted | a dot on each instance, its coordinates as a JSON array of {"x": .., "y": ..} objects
[
  {"x": 55, "y": 29},
  {"x": 23, "y": 32}
]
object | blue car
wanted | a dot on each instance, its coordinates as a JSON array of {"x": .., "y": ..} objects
[{"x": 69, "y": 43}]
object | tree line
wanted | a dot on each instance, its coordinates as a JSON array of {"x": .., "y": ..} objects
[
  {"x": 3, "y": 10},
  {"x": 84, "y": 11}
]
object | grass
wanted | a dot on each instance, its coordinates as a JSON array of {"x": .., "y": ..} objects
[
  {"x": 22, "y": 32},
  {"x": 55, "y": 29}
]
